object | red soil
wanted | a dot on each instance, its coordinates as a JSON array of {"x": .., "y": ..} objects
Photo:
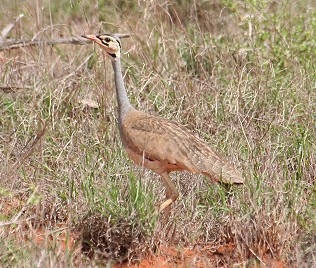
[{"x": 61, "y": 239}]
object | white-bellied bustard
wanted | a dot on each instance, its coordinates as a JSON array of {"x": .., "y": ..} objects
[{"x": 159, "y": 144}]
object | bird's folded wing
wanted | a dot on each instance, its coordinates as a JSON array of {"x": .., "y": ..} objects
[{"x": 166, "y": 140}]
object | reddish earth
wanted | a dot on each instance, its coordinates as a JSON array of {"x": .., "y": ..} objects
[
  {"x": 167, "y": 256},
  {"x": 170, "y": 257},
  {"x": 61, "y": 239}
]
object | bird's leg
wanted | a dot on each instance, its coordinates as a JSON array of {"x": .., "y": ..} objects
[{"x": 171, "y": 194}]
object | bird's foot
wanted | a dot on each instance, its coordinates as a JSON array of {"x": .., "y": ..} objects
[
  {"x": 164, "y": 211},
  {"x": 165, "y": 204}
]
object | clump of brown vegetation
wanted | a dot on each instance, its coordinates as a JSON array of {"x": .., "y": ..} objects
[{"x": 119, "y": 241}]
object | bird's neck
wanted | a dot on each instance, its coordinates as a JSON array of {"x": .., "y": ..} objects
[{"x": 122, "y": 99}]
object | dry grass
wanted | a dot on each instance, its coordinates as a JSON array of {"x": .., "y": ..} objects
[{"x": 239, "y": 73}]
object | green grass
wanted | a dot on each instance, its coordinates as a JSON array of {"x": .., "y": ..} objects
[{"x": 241, "y": 74}]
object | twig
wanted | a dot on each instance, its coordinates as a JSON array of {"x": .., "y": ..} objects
[{"x": 13, "y": 44}]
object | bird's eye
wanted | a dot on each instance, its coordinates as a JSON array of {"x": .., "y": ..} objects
[{"x": 107, "y": 39}]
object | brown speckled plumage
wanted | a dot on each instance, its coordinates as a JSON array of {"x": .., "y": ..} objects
[
  {"x": 163, "y": 140},
  {"x": 159, "y": 144}
]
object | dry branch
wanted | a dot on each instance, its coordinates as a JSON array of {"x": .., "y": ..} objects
[{"x": 13, "y": 44}]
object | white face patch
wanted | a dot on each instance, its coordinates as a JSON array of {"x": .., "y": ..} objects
[{"x": 110, "y": 44}]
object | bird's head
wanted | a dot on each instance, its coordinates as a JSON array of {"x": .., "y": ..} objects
[{"x": 109, "y": 43}]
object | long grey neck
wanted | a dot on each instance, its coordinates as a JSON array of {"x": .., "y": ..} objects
[{"x": 122, "y": 99}]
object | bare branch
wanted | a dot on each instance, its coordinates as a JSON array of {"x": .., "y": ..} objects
[{"x": 13, "y": 44}]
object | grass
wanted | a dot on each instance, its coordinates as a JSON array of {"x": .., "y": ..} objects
[{"x": 239, "y": 73}]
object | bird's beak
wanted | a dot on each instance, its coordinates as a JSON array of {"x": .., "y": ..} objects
[
  {"x": 90, "y": 37},
  {"x": 93, "y": 38}
]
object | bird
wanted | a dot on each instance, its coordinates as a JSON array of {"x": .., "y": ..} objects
[{"x": 160, "y": 144}]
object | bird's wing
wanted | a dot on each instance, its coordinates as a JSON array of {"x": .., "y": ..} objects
[{"x": 165, "y": 140}]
